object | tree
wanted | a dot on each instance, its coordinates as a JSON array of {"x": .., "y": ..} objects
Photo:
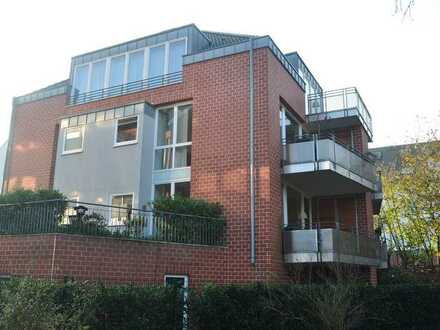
[{"x": 411, "y": 211}]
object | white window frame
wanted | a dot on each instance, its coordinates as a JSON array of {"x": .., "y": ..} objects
[
  {"x": 74, "y": 151},
  {"x": 125, "y": 143},
  {"x": 185, "y": 278},
  {"x": 172, "y": 186},
  {"x": 146, "y": 63},
  {"x": 302, "y": 206},
  {"x": 174, "y": 145},
  {"x": 111, "y": 204}
]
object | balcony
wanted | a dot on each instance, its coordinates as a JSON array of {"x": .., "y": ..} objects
[
  {"x": 330, "y": 245},
  {"x": 135, "y": 86},
  {"x": 320, "y": 165},
  {"x": 337, "y": 109}
]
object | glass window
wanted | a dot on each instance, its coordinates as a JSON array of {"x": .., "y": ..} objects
[
  {"x": 156, "y": 63},
  {"x": 184, "y": 124},
  {"x": 162, "y": 190},
  {"x": 81, "y": 79},
  {"x": 117, "y": 69},
  {"x": 163, "y": 159},
  {"x": 126, "y": 130},
  {"x": 183, "y": 189},
  {"x": 73, "y": 140},
  {"x": 121, "y": 208},
  {"x": 183, "y": 156},
  {"x": 180, "y": 282},
  {"x": 98, "y": 75},
  {"x": 136, "y": 66},
  {"x": 165, "y": 127},
  {"x": 177, "y": 50}
]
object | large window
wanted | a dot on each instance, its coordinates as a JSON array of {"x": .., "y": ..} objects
[
  {"x": 117, "y": 70},
  {"x": 121, "y": 208},
  {"x": 126, "y": 131},
  {"x": 173, "y": 137},
  {"x": 98, "y": 75},
  {"x": 135, "y": 66},
  {"x": 157, "y": 61},
  {"x": 130, "y": 67},
  {"x": 73, "y": 140},
  {"x": 171, "y": 189}
]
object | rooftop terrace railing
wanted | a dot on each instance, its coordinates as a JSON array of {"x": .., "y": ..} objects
[
  {"x": 135, "y": 86},
  {"x": 339, "y": 103},
  {"x": 71, "y": 217}
]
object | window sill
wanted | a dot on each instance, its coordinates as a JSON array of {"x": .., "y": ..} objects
[
  {"x": 72, "y": 152},
  {"x": 123, "y": 144}
]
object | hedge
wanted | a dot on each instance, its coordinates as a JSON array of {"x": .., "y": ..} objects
[{"x": 37, "y": 304}]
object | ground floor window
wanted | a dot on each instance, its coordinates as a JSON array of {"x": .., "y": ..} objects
[
  {"x": 172, "y": 189},
  {"x": 121, "y": 208},
  {"x": 180, "y": 281}
]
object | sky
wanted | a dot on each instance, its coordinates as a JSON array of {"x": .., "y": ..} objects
[{"x": 394, "y": 63}]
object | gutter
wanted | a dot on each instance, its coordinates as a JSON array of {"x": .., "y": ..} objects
[{"x": 251, "y": 150}]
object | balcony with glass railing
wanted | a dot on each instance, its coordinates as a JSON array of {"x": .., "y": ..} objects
[
  {"x": 320, "y": 165},
  {"x": 337, "y": 109}
]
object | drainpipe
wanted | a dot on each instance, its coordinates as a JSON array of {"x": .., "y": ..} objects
[{"x": 251, "y": 148}]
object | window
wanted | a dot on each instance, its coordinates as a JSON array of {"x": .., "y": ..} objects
[
  {"x": 73, "y": 140},
  {"x": 117, "y": 69},
  {"x": 121, "y": 208},
  {"x": 126, "y": 131},
  {"x": 173, "y": 137},
  {"x": 182, "y": 189},
  {"x": 136, "y": 66},
  {"x": 157, "y": 61},
  {"x": 81, "y": 79},
  {"x": 98, "y": 75},
  {"x": 179, "y": 281},
  {"x": 290, "y": 128},
  {"x": 176, "y": 52}
]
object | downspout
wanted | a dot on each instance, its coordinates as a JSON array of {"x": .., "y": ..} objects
[{"x": 251, "y": 149}]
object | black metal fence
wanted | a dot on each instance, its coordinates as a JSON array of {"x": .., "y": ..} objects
[{"x": 71, "y": 217}]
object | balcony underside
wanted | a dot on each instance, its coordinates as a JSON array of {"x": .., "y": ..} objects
[
  {"x": 330, "y": 121},
  {"x": 331, "y": 246},
  {"x": 325, "y": 178}
]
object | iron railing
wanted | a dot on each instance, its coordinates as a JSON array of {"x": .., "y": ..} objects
[
  {"x": 339, "y": 103},
  {"x": 326, "y": 147},
  {"x": 71, "y": 217},
  {"x": 135, "y": 86}
]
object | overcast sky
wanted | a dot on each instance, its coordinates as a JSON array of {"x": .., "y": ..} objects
[{"x": 394, "y": 64}]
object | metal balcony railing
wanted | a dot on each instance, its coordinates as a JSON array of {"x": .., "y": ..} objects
[
  {"x": 333, "y": 245},
  {"x": 71, "y": 217},
  {"x": 339, "y": 103},
  {"x": 316, "y": 148},
  {"x": 172, "y": 78}
]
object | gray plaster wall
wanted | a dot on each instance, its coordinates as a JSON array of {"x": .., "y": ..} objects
[{"x": 102, "y": 169}]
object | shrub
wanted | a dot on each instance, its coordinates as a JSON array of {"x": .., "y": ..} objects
[
  {"x": 188, "y": 206},
  {"x": 22, "y": 196}
]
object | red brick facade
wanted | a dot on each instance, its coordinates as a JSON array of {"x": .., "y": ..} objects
[{"x": 219, "y": 92}]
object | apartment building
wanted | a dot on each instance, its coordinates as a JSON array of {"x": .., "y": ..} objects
[{"x": 224, "y": 117}]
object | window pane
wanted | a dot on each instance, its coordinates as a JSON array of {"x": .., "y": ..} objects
[
  {"x": 178, "y": 282},
  {"x": 127, "y": 130},
  {"x": 177, "y": 50},
  {"x": 183, "y": 189},
  {"x": 157, "y": 61},
  {"x": 184, "y": 123},
  {"x": 165, "y": 127},
  {"x": 81, "y": 78},
  {"x": 183, "y": 156},
  {"x": 117, "y": 66},
  {"x": 136, "y": 66},
  {"x": 73, "y": 139},
  {"x": 98, "y": 74},
  {"x": 119, "y": 212},
  {"x": 163, "y": 159},
  {"x": 162, "y": 190}
]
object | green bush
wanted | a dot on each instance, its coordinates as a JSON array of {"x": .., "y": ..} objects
[
  {"x": 22, "y": 196},
  {"x": 188, "y": 206}
]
